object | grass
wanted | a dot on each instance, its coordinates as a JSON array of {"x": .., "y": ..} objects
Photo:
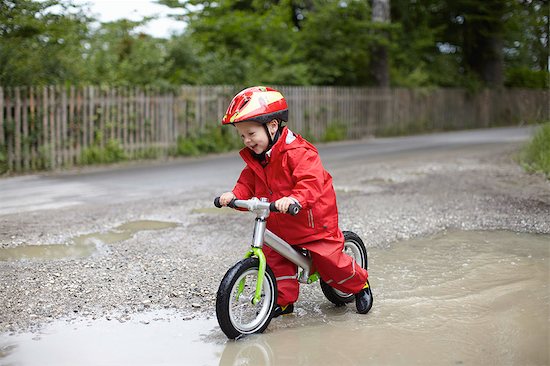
[{"x": 535, "y": 156}]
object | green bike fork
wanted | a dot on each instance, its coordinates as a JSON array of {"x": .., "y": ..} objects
[{"x": 261, "y": 274}]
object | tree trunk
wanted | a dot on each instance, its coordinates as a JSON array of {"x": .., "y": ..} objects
[
  {"x": 483, "y": 43},
  {"x": 380, "y": 62}
]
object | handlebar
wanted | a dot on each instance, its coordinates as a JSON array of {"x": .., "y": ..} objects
[{"x": 253, "y": 204}]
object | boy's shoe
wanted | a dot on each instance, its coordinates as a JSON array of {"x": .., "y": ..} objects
[
  {"x": 363, "y": 299},
  {"x": 282, "y": 310}
]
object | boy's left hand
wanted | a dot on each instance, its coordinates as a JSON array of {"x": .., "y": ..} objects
[{"x": 282, "y": 204}]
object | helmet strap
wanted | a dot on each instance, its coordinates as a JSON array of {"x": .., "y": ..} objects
[
  {"x": 272, "y": 140},
  {"x": 275, "y": 138}
]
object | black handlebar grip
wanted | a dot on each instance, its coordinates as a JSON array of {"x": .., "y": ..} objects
[
  {"x": 219, "y": 205},
  {"x": 293, "y": 209}
]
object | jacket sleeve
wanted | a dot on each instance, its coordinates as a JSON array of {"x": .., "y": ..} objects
[
  {"x": 244, "y": 189},
  {"x": 309, "y": 174}
]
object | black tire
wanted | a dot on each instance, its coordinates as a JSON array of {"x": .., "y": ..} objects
[
  {"x": 354, "y": 247},
  {"x": 238, "y": 317}
]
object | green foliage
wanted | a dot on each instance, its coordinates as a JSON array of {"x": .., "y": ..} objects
[
  {"x": 308, "y": 135},
  {"x": 213, "y": 139},
  {"x": 112, "y": 152},
  {"x": 118, "y": 55},
  {"x": 336, "y": 39},
  {"x": 38, "y": 46},
  {"x": 149, "y": 153},
  {"x": 459, "y": 43},
  {"x": 466, "y": 43},
  {"x": 3, "y": 159},
  {"x": 535, "y": 157},
  {"x": 335, "y": 131},
  {"x": 523, "y": 77}
]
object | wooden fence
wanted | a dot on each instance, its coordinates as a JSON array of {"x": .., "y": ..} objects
[{"x": 51, "y": 127}]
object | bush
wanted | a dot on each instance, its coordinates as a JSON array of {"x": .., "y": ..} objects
[
  {"x": 111, "y": 153},
  {"x": 335, "y": 132},
  {"x": 214, "y": 139},
  {"x": 535, "y": 157},
  {"x": 523, "y": 77},
  {"x": 3, "y": 160}
]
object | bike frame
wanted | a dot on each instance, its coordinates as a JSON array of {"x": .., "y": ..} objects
[{"x": 263, "y": 235}]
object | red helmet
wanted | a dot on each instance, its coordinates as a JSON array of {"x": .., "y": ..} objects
[{"x": 259, "y": 104}]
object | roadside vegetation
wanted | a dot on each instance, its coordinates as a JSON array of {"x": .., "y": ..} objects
[
  {"x": 212, "y": 140},
  {"x": 535, "y": 157}
]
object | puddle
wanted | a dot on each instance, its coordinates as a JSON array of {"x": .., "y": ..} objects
[
  {"x": 156, "y": 338},
  {"x": 459, "y": 298},
  {"x": 84, "y": 245}
]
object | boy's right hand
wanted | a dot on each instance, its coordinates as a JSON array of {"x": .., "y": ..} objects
[{"x": 226, "y": 198}]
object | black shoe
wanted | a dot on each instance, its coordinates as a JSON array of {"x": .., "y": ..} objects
[
  {"x": 363, "y": 299},
  {"x": 282, "y": 310}
]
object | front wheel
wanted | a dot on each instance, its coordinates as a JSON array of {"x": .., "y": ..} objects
[
  {"x": 355, "y": 248},
  {"x": 236, "y": 313}
]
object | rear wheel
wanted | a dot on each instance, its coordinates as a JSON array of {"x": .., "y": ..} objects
[
  {"x": 236, "y": 313},
  {"x": 355, "y": 248}
]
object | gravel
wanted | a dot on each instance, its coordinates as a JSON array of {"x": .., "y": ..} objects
[{"x": 385, "y": 200}]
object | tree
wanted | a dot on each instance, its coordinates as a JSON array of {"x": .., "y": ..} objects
[
  {"x": 38, "y": 46},
  {"x": 470, "y": 43},
  {"x": 527, "y": 48},
  {"x": 119, "y": 55},
  {"x": 419, "y": 54},
  {"x": 481, "y": 26},
  {"x": 336, "y": 39},
  {"x": 380, "y": 59}
]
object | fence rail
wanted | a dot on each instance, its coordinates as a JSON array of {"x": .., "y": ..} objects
[{"x": 50, "y": 127}]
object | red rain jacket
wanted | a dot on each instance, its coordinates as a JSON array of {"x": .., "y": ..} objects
[{"x": 294, "y": 169}]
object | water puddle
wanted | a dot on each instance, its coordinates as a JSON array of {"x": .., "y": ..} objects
[
  {"x": 84, "y": 245},
  {"x": 156, "y": 338},
  {"x": 459, "y": 298}
]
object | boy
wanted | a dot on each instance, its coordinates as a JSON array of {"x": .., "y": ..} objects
[{"x": 286, "y": 169}]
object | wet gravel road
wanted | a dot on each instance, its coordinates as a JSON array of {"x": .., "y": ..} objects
[{"x": 388, "y": 190}]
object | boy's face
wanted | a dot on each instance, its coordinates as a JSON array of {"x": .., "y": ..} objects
[{"x": 254, "y": 135}]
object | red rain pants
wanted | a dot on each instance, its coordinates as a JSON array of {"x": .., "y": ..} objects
[{"x": 336, "y": 268}]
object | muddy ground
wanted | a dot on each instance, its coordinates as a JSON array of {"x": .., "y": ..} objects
[{"x": 384, "y": 200}]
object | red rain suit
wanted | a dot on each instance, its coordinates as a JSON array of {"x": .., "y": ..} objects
[{"x": 294, "y": 169}]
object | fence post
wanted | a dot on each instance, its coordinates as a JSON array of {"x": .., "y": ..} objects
[
  {"x": 17, "y": 129},
  {"x": 2, "y": 138},
  {"x": 25, "y": 142}
]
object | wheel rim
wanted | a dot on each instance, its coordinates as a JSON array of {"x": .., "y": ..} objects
[
  {"x": 245, "y": 316},
  {"x": 353, "y": 250}
]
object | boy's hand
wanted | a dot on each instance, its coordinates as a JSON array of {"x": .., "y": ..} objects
[
  {"x": 226, "y": 198},
  {"x": 282, "y": 203}
]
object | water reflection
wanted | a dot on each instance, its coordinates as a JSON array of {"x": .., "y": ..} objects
[{"x": 155, "y": 338}]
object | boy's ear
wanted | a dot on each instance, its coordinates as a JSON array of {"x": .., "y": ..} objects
[{"x": 273, "y": 124}]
